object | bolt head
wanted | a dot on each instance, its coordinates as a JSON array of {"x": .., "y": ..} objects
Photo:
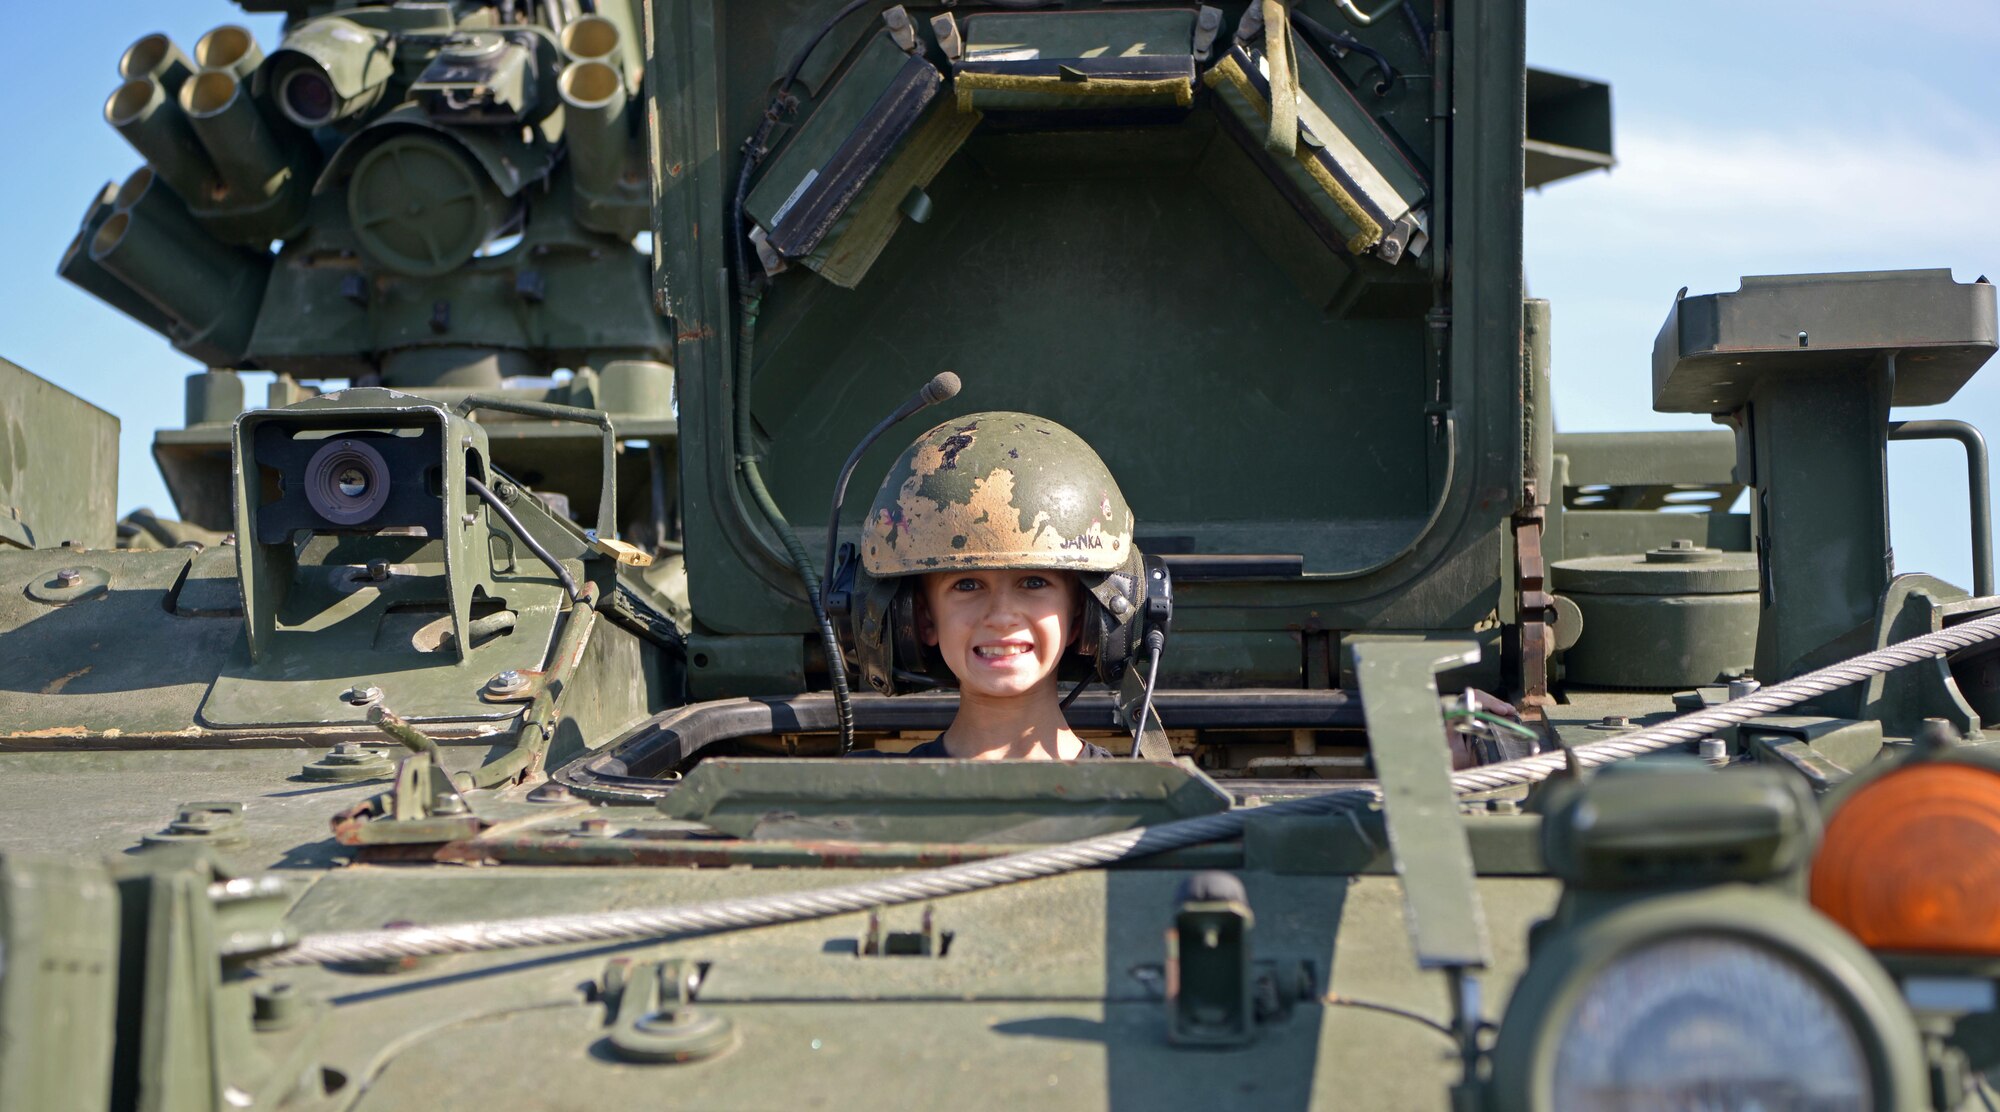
[
  {"x": 1617, "y": 720},
  {"x": 347, "y": 748},
  {"x": 362, "y": 695},
  {"x": 506, "y": 682},
  {"x": 378, "y": 570},
  {"x": 68, "y": 577}
]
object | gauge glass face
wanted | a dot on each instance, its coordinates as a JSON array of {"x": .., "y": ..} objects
[{"x": 1711, "y": 1023}]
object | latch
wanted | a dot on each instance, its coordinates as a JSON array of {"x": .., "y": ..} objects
[
  {"x": 901, "y": 30},
  {"x": 924, "y": 942},
  {"x": 945, "y": 29},
  {"x": 652, "y": 1014},
  {"x": 423, "y": 807},
  {"x": 1217, "y": 993}
]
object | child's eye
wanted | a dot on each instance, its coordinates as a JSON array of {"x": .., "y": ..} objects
[
  {"x": 966, "y": 584},
  {"x": 1034, "y": 583}
]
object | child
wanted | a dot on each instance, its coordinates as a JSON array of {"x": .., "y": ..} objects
[{"x": 1000, "y": 525}]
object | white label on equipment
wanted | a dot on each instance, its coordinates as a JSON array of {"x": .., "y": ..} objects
[
  {"x": 805, "y": 183},
  {"x": 1002, "y": 54}
]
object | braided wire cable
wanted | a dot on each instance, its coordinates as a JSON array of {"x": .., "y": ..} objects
[
  {"x": 1702, "y": 723},
  {"x": 756, "y": 911}
]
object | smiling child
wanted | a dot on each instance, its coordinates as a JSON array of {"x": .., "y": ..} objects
[{"x": 1000, "y": 525}]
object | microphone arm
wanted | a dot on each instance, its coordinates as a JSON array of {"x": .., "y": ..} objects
[{"x": 941, "y": 387}]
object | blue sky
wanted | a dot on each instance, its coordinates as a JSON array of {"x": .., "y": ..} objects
[{"x": 1754, "y": 138}]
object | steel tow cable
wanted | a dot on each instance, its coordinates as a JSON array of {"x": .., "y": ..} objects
[{"x": 756, "y": 911}]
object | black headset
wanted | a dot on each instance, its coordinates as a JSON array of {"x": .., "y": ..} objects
[{"x": 877, "y": 623}]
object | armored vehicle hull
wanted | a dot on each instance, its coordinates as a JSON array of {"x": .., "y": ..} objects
[{"x": 488, "y": 737}]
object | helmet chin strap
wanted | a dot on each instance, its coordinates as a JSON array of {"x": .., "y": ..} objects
[{"x": 1073, "y": 693}]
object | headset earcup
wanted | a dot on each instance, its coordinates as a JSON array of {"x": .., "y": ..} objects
[
  {"x": 1111, "y": 652},
  {"x": 911, "y": 654}
]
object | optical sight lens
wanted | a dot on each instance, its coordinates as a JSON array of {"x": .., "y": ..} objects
[
  {"x": 347, "y": 482},
  {"x": 307, "y": 97}
]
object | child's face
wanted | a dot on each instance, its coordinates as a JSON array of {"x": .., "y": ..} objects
[{"x": 1000, "y": 632}]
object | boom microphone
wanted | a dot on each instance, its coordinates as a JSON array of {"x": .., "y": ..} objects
[{"x": 942, "y": 386}]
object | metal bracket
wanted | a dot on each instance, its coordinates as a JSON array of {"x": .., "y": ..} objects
[
  {"x": 1209, "y": 974},
  {"x": 924, "y": 942},
  {"x": 945, "y": 28},
  {"x": 423, "y": 808},
  {"x": 607, "y": 503},
  {"x": 901, "y": 31},
  {"x": 1399, "y": 695},
  {"x": 1537, "y": 609},
  {"x": 652, "y": 1014},
  {"x": 767, "y": 255},
  {"x": 1206, "y": 25}
]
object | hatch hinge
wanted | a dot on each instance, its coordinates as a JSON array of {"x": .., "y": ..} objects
[{"x": 1536, "y": 612}]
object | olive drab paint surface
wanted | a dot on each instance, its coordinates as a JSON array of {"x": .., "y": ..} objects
[
  {"x": 997, "y": 490},
  {"x": 1477, "y": 774}
]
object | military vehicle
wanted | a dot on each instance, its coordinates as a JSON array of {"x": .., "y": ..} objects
[{"x": 410, "y": 783}]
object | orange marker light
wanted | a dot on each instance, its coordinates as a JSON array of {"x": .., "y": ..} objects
[{"x": 1911, "y": 862}]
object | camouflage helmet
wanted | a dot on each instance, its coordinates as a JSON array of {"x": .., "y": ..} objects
[{"x": 993, "y": 491}]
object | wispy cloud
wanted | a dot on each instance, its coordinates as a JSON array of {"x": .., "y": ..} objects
[
  {"x": 1752, "y": 198},
  {"x": 1701, "y": 206}
]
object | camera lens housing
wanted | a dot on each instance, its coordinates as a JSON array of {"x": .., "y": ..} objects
[
  {"x": 347, "y": 482},
  {"x": 307, "y": 98}
]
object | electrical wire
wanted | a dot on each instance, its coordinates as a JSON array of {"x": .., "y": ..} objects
[
  {"x": 786, "y": 907},
  {"x": 1340, "y": 41},
  {"x": 492, "y": 500},
  {"x": 1517, "y": 729},
  {"x": 749, "y": 301},
  {"x": 1334, "y": 999},
  {"x": 1156, "y": 643}
]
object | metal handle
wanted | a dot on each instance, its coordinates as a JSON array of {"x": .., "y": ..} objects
[
  {"x": 607, "y": 503},
  {"x": 1976, "y": 487}
]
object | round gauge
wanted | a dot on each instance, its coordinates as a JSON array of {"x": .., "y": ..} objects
[{"x": 1712, "y": 1022}]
